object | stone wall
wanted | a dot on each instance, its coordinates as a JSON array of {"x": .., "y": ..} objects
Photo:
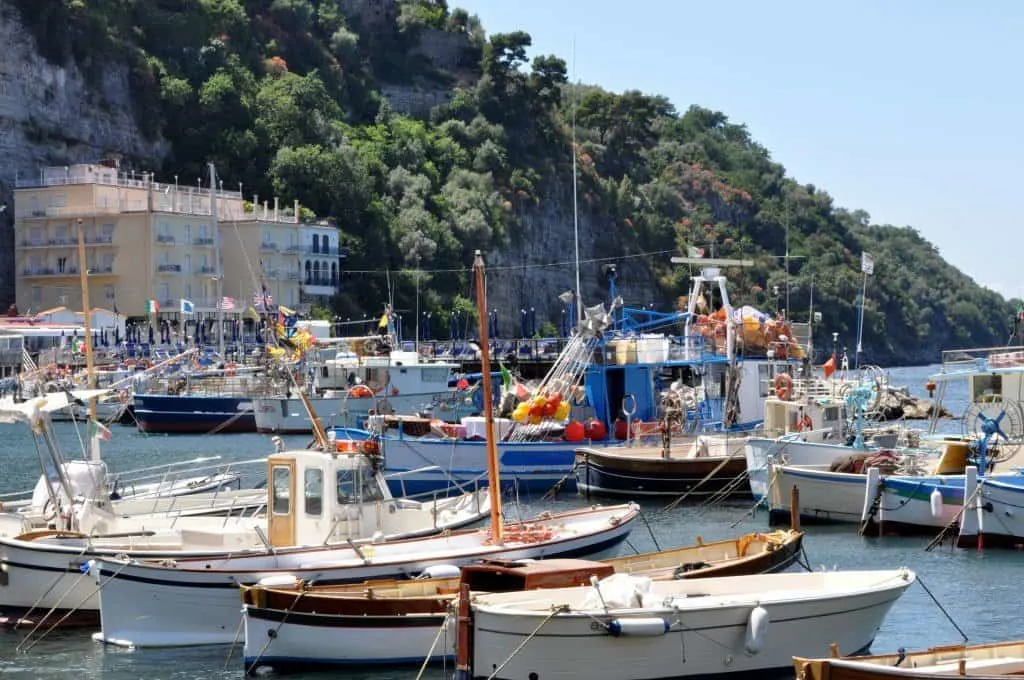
[{"x": 50, "y": 115}]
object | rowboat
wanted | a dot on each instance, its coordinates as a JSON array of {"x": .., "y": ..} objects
[
  {"x": 294, "y": 625},
  {"x": 974, "y": 662}
]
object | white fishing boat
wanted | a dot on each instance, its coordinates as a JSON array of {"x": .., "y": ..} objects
[
  {"x": 345, "y": 499},
  {"x": 184, "y": 602},
  {"x": 969, "y": 662},
  {"x": 352, "y": 386},
  {"x": 630, "y": 628}
]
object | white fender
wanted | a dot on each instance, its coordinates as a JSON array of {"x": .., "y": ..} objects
[
  {"x": 652, "y": 626},
  {"x": 441, "y": 571},
  {"x": 936, "y": 503},
  {"x": 757, "y": 628},
  {"x": 870, "y": 492},
  {"x": 279, "y": 581}
]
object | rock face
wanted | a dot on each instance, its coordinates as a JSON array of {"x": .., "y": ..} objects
[
  {"x": 537, "y": 265},
  {"x": 51, "y": 115}
]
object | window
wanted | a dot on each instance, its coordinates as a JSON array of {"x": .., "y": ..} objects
[
  {"x": 314, "y": 491},
  {"x": 108, "y": 261},
  {"x": 282, "y": 482},
  {"x": 316, "y": 243},
  {"x": 108, "y": 232},
  {"x": 62, "y": 262},
  {"x": 188, "y": 290},
  {"x": 334, "y": 274},
  {"x": 108, "y": 293},
  {"x": 60, "y": 200},
  {"x": 188, "y": 264},
  {"x": 188, "y": 233},
  {"x": 202, "y": 232},
  {"x": 165, "y": 292},
  {"x": 354, "y": 487},
  {"x": 37, "y": 295},
  {"x": 309, "y": 272},
  {"x": 37, "y": 236}
]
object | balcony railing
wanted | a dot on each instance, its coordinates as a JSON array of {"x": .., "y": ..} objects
[
  {"x": 333, "y": 252},
  {"x": 269, "y": 245},
  {"x": 322, "y": 281},
  {"x": 205, "y": 269},
  {"x": 293, "y": 276},
  {"x": 203, "y": 241},
  {"x": 165, "y": 268},
  {"x": 71, "y": 270},
  {"x": 102, "y": 239},
  {"x": 291, "y": 250},
  {"x": 166, "y": 239}
]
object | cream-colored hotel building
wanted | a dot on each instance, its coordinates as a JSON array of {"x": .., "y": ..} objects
[{"x": 146, "y": 240}]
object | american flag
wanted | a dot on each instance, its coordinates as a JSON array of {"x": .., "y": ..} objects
[
  {"x": 263, "y": 298},
  {"x": 227, "y": 303}
]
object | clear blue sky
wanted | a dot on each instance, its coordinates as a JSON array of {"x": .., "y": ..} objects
[{"x": 910, "y": 110}]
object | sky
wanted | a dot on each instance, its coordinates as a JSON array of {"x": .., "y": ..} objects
[{"x": 909, "y": 110}]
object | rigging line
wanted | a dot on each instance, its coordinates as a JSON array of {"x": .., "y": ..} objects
[
  {"x": 512, "y": 267},
  {"x": 942, "y": 609}
]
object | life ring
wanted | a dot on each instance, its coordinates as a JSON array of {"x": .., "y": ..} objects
[
  {"x": 805, "y": 424},
  {"x": 360, "y": 392},
  {"x": 369, "y": 447},
  {"x": 229, "y": 369},
  {"x": 345, "y": 446},
  {"x": 783, "y": 386}
]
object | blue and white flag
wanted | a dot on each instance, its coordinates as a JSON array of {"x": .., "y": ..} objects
[{"x": 187, "y": 307}]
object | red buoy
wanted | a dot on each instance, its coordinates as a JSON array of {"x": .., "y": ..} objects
[
  {"x": 620, "y": 429},
  {"x": 574, "y": 431},
  {"x": 596, "y": 430}
]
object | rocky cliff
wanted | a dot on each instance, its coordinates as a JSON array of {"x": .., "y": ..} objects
[{"x": 50, "y": 114}]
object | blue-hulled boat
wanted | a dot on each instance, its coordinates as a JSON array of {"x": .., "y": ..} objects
[{"x": 194, "y": 414}]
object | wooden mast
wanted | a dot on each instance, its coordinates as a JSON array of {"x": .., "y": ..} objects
[
  {"x": 494, "y": 480},
  {"x": 83, "y": 275}
]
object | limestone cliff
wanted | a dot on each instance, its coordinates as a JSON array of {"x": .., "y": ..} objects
[{"x": 51, "y": 115}]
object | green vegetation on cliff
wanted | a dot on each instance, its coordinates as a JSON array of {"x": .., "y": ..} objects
[{"x": 285, "y": 96}]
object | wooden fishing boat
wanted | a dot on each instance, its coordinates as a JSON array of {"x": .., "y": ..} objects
[
  {"x": 294, "y": 625},
  {"x": 974, "y": 662}
]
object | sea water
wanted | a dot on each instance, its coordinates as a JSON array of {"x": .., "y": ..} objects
[{"x": 979, "y": 591}]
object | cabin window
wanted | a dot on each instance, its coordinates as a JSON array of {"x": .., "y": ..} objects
[
  {"x": 282, "y": 477},
  {"x": 354, "y": 487},
  {"x": 988, "y": 388},
  {"x": 831, "y": 414},
  {"x": 314, "y": 491}
]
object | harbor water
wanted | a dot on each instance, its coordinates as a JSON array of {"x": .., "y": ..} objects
[{"x": 978, "y": 589}]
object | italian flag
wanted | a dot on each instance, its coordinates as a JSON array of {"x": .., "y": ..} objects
[
  {"x": 152, "y": 307},
  {"x": 98, "y": 430}
]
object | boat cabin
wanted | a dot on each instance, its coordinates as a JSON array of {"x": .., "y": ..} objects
[
  {"x": 802, "y": 414},
  {"x": 399, "y": 372},
  {"x": 316, "y": 497}
]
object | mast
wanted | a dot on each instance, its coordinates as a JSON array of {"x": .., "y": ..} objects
[
  {"x": 485, "y": 376},
  {"x": 83, "y": 276},
  {"x": 220, "y": 267},
  {"x": 575, "y": 203}
]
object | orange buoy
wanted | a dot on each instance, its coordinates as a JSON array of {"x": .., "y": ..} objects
[
  {"x": 360, "y": 392},
  {"x": 783, "y": 386}
]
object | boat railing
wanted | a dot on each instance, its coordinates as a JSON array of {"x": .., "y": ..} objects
[{"x": 982, "y": 358}]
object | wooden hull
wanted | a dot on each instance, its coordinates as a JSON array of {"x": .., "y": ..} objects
[
  {"x": 979, "y": 662},
  {"x": 643, "y": 471}
]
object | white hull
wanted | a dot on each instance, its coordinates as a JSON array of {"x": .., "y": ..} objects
[
  {"x": 825, "y": 496},
  {"x": 706, "y": 636},
  {"x": 165, "y": 606},
  {"x": 288, "y": 416},
  {"x": 278, "y": 639},
  {"x": 993, "y": 516},
  {"x": 905, "y": 504},
  {"x": 762, "y": 452}
]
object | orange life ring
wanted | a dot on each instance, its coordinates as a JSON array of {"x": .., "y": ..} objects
[
  {"x": 360, "y": 392},
  {"x": 345, "y": 445},
  {"x": 783, "y": 386},
  {"x": 805, "y": 424},
  {"x": 369, "y": 447}
]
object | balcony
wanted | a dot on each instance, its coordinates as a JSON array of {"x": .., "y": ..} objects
[
  {"x": 272, "y": 273},
  {"x": 269, "y": 246},
  {"x": 205, "y": 269},
  {"x": 291, "y": 250},
  {"x": 170, "y": 304},
  {"x": 293, "y": 276},
  {"x": 38, "y": 272},
  {"x": 330, "y": 252},
  {"x": 204, "y": 241},
  {"x": 99, "y": 240},
  {"x": 166, "y": 239},
  {"x": 322, "y": 280},
  {"x": 168, "y": 268}
]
